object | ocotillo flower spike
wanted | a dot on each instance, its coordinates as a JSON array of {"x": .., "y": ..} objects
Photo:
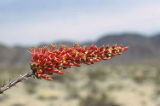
[{"x": 49, "y": 61}]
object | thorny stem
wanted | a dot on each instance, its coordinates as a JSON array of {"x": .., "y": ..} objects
[{"x": 17, "y": 80}]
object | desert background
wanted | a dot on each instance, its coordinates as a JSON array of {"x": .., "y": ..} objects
[{"x": 131, "y": 79}]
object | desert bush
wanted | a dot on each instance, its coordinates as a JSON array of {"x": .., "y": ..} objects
[
  {"x": 3, "y": 97},
  {"x": 100, "y": 99},
  {"x": 46, "y": 95},
  {"x": 139, "y": 77},
  {"x": 72, "y": 92},
  {"x": 30, "y": 86},
  {"x": 96, "y": 74},
  {"x": 18, "y": 104}
]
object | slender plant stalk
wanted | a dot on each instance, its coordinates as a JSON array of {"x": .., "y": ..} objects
[{"x": 17, "y": 80}]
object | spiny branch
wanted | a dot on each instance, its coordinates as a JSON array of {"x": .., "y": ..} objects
[{"x": 17, "y": 80}]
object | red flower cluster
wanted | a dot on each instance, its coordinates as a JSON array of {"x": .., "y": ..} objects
[{"x": 49, "y": 61}]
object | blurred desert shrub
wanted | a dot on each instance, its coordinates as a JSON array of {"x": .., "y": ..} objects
[
  {"x": 3, "y": 97},
  {"x": 139, "y": 77},
  {"x": 157, "y": 75},
  {"x": 43, "y": 96},
  {"x": 115, "y": 86},
  {"x": 18, "y": 104},
  {"x": 10, "y": 72},
  {"x": 96, "y": 73},
  {"x": 30, "y": 86},
  {"x": 72, "y": 92},
  {"x": 4, "y": 74},
  {"x": 139, "y": 73},
  {"x": 157, "y": 91},
  {"x": 99, "y": 99}
]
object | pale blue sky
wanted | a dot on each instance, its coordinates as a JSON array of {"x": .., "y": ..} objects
[{"x": 34, "y": 21}]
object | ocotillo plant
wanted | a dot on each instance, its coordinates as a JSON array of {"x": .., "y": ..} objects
[{"x": 48, "y": 61}]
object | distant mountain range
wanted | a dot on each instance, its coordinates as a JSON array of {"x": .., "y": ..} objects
[{"x": 141, "y": 48}]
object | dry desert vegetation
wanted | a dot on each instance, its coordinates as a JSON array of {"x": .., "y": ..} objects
[{"x": 102, "y": 84}]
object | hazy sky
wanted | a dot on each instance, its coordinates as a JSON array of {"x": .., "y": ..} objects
[{"x": 35, "y": 21}]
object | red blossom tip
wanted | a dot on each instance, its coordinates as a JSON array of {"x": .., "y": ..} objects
[
  {"x": 49, "y": 79},
  {"x": 125, "y": 48}
]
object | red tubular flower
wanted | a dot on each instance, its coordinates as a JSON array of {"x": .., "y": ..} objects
[{"x": 49, "y": 61}]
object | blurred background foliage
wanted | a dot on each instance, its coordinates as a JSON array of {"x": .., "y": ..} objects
[{"x": 132, "y": 78}]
